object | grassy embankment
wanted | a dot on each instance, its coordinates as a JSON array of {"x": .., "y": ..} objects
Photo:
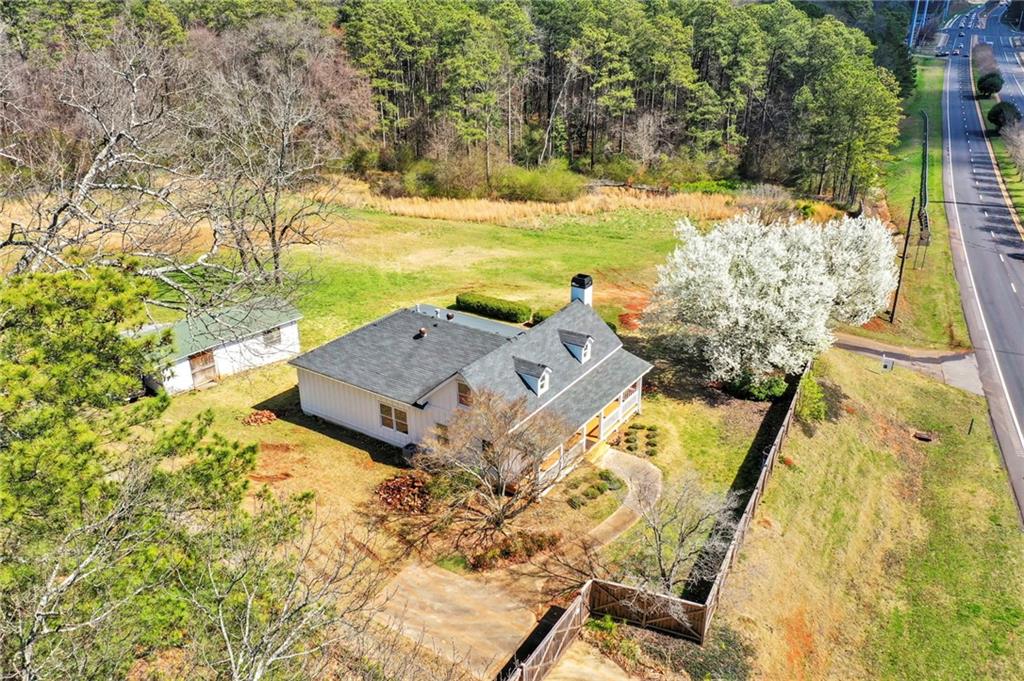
[
  {"x": 878, "y": 556},
  {"x": 929, "y": 311},
  {"x": 875, "y": 555}
]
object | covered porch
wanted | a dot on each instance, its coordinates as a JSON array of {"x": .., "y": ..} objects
[{"x": 595, "y": 429}]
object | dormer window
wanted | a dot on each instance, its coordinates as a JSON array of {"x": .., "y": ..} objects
[
  {"x": 535, "y": 376},
  {"x": 578, "y": 344}
]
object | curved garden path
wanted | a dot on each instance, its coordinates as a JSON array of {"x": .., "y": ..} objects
[{"x": 642, "y": 477}]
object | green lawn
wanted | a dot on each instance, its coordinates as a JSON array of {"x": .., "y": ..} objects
[
  {"x": 380, "y": 262},
  {"x": 877, "y": 556},
  {"x": 929, "y": 313}
]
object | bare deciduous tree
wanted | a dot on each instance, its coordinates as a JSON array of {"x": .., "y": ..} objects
[
  {"x": 1013, "y": 136},
  {"x": 493, "y": 455},
  {"x": 281, "y": 102},
  {"x": 684, "y": 534},
  {"x": 275, "y": 594}
]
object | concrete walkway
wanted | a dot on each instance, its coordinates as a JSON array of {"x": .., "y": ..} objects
[
  {"x": 642, "y": 477},
  {"x": 958, "y": 369}
]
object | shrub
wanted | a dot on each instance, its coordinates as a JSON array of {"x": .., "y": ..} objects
[
  {"x": 618, "y": 168},
  {"x": 601, "y": 487},
  {"x": 605, "y": 625},
  {"x": 761, "y": 389},
  {"x": 552, "y": 183},
  {"x": 455, "y": 562},
  {"x": 485, "y": 559},
  {"x": 541, "y": 315},
  {"x": 592, "y": 492},
  {"x": 614, "y": 482},
  {"x": 447, "y": 486},
  {"x": 652, "y": 428},
  {"x": 632, "y": 447},
  {"x": 631, "y": 438},
  {"x": 710, "y": 186},
  {"x": 990, "y": 83},
  {"x": 810, "y": 405},
  {"x": 636, "y": 426},
  {"x": 495, "y": 308},
  {"x": 575, "y": 502},
  {"x": 1002, "y": 114}
]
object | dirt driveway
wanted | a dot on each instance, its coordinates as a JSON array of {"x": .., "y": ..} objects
[{"x": 461, "y": 618}]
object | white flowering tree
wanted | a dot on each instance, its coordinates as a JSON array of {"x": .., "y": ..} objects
[
  {"x": 860, "y": 257},
  {"x": 760, "y": 298}
]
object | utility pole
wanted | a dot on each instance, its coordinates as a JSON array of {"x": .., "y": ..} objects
[
  {"x": 903, "y": 261},
  {"x": 924, "y": 20},
  {"x": 913, "y": 25}
]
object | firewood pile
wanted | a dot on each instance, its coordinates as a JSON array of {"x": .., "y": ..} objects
[
  {"x": 405, "y": 493},
  {"x": 259, "y": 417}
]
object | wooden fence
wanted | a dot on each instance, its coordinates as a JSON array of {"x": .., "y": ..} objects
[{"x": 667, "y": 614}]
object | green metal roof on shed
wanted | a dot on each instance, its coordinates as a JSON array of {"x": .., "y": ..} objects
[{"x": 209, "y": 330}]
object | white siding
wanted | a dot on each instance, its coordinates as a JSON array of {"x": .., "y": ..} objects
[
  {"x": 233, "y": 357},
  {"x": 251, "y": 352},
  {"x": 178, "y": 377},
  {"x": 359, "y": 409}
]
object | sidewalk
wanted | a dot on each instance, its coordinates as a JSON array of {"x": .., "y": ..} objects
[
  {"x": 641, "y": 477},
  {"x": 958, "y": 369}
]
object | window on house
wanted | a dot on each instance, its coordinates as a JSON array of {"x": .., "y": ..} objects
[
  {"x": 542, "y": 383},
  {"x": 441, "y": 431},
  {"x": 465, "y": 396},
  {"x": 394, "y": 419},
  {"x": 272, "y": 337},
  {"x": 585, "y": 352}
]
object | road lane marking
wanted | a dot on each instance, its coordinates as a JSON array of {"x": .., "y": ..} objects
[
  {"x": 1001, "y": 258},
  {"x": 974, "y": 290}
]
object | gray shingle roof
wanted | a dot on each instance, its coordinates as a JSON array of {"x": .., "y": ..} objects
[
  {"x": 573, "y": 337},
  {"x": 525, "y": 366},
  {"x": 389, "y": 358},
  {"x": 601, "y": 386},
  {"x": 496, "y": 371}
]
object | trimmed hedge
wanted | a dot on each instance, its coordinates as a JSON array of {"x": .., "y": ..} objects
[
  {"x": 495, "y": 308},
  {"x": 541, "y": 315}
]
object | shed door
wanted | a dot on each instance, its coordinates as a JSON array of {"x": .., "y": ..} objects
[{"x": 204, "y": 370}]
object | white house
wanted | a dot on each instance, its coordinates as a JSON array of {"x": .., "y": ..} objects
[
  {"x": 401, "y": 376},
  {"x": 211, "y": 346}
]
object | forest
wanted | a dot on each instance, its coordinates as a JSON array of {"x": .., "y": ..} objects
[{"x": 501, "y": 98}]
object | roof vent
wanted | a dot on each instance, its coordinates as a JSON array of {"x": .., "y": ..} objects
[
  {"x": 450, "y": 316},
  {"x": 422, "y": 333}
]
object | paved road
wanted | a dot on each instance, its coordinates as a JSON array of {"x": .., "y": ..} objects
[{"x": 988, "y": 245}]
